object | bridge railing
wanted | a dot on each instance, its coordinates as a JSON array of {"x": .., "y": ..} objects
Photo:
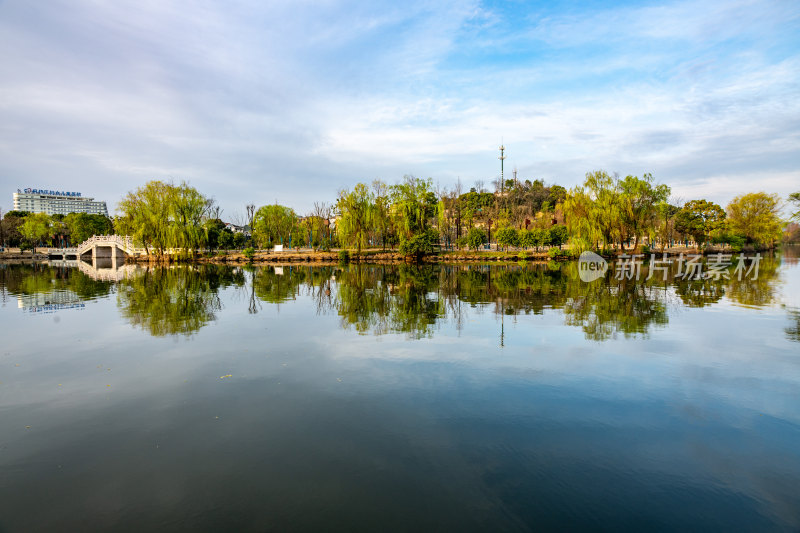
[{"x": 124, "y": 242}]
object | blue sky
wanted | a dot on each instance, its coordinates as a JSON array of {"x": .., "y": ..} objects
[{"x": 291, "y": 101}]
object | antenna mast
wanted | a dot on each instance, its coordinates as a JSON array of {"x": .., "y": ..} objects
[{"x": 502, "y": 158}]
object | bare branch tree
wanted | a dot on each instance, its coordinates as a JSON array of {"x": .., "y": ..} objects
[
  {"x": 321, "y": 214},
  {"x": 251, "y": 211},
  {"x": 215, "y": 212},
  {"x": 238, "y": 219}
]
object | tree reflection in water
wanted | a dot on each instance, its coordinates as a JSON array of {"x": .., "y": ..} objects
[
  {"x": 412, "y": 299},
  {"x": 38, "y": 278},
  {"x": 172, "y": 301},
  {"x": 409, "y": 299}
]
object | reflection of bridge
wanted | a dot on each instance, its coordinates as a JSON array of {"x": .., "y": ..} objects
[
  {"x": 107, "y": 274},
  {"x": 102, "y": 271},
  {"x": 113, "y": 247}
]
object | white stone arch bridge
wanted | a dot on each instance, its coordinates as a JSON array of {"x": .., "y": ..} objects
[{"x": 114, "y": 247}]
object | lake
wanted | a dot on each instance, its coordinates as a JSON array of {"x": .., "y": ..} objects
[{"x": 398, "y": 397}]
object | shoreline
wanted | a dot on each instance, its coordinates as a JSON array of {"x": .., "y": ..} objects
[{"x": 309, "y": 257}]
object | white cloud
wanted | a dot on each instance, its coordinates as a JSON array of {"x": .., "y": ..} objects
[{"x": 268, "y": 102}]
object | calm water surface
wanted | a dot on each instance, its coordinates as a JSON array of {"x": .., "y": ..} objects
[{"x": 375, "y": 398}]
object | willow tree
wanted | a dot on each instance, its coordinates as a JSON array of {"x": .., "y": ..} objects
[
  {"x": 795, "y": 199},
  {"x": 605, "y": 210},
  {"x": 274, "y": 224},
  {"x": 639, "y": 202},
  {"x": 381, "y": 219},
  {"x": 592, "y": 211},
  {"x": 357, "y": 209},
  {"x": 162, "y": 215},
  {"x": 188, "y": 211},
  {"x": 145, "y": 215},
  {"x": 413, "y": 206},
  {"x": 578, "y": 208}
]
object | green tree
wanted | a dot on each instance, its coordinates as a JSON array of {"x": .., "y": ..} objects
[
  {"x": 700, "y": 219},
  {"x": 145, "y": 215},
  {"x": 475, "y": 238},
  {"x": 357, "y": 208},
  {"x": 162, "y": 215},
  {"x": 274, "y": 224},
  {"x": 507, "y": 237},
  {"x": 81, "y": 226},
  {"x": 10, "y": 226},
  {"x": 592, "y": 211},
  {"x": 213, "y": 228},
  {"x": 413, "y": 205},
  {"x": 557, "y": 195},
  {"x": 16, "y": 213},
  {"x": 795, "y": 199},
  {"x": 381, "y": 216},
  {"x": 558, "y": 235},
  {"x": 756, "y": 216},
  {"x": 605, "y": 213},
  {"x": 36, "y": 228},
  {"x": 578, "y": 210},
  {"x": 420, "y": 244},
  {"x": 225, "y": 239},
  {"x": 639, "y": 199},
  {"x": 527, "y": 238},
  {"x": 188, "y": 210}
]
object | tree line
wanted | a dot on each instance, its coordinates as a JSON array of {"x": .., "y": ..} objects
[
  {"x": 415, "y": 217},
  {"x": 609, "y": 212},
  {"x": 29, "y": 230}
]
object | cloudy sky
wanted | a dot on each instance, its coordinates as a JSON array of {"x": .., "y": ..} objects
[{"x": 290, "y": 101}]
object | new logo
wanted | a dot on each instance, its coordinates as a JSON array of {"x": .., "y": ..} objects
[{"x": 591, "y": 266}]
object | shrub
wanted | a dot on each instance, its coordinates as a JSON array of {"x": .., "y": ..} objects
[
  {"x": 562, "y": 254},
  {"x": 344, "y": 256},
  {"x": 735, "y": 241},
  {"x": 420, "y": 244},
  {"x": 249, "y": 253},
  {"x": 475, "y": 238}
]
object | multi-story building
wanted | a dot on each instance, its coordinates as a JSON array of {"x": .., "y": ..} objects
[{"x": 56, "y": 202}]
